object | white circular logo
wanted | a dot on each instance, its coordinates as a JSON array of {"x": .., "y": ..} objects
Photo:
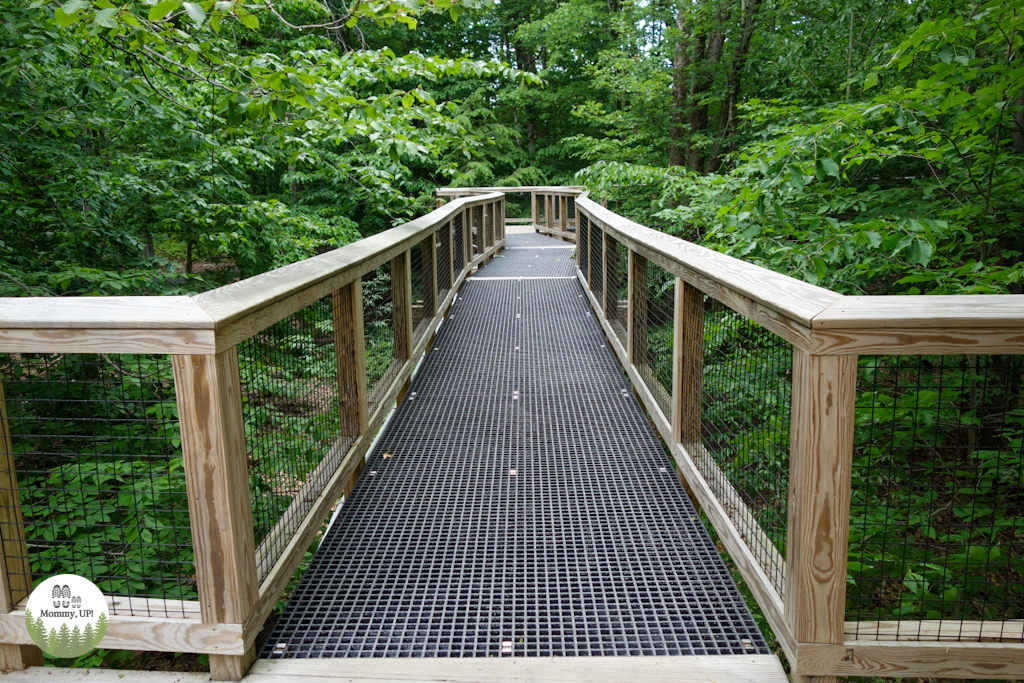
[{"x": 66, "y": 615}]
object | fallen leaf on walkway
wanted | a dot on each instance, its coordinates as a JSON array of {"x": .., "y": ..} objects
[{"x": 387, "y": 455}]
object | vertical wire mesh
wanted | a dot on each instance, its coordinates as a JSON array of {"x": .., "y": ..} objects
[
  {"x": 458, "y": 250},
  {"x": 745, "y": 389},
  {"x": 583, "y": 244},
  {"x": 443, "y": 251},
  {"x": 489, "y": 228},
  {"x": 379, "y": 333},
  {"x": 597, "y": 261},
  {"x": 653, "y": 354},
  {"x": 617, "y": 287},
  {"x": 95, "y": 447},
  {"x": 937, "y": 510},
  {"x": 289, "y": 376},
  {"x": 572, "y": 214},
  {"x": 478, "y": 229},
  {"x": 421, "y": 278}
]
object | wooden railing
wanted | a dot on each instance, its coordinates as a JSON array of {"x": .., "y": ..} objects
[
  {"x": 552, "y": 209},
  {"x": 800, "y": 587},
  {"x": 203, "y": 335}
]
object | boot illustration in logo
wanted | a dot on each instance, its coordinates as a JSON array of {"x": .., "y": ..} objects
[
  {"x": 65, "y": 594},
  {"x": 56, "y": 596}
]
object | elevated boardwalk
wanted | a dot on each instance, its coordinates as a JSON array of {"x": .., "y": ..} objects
[{"x": 518, "y": 503}]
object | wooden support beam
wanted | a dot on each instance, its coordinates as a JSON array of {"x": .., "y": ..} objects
[
  {"x": 821, "y": 456},
  {"x": 217, "y": 480},
  {"x": 549, "y": 217},
  {"x": 637, "y": 338},
  {"x": 452, "y": 258},
  {"x": 350, "y": 355},
  {"x": 534, "y": 209},
  {"x": 563, "y": 205},
  {"x": 611, "y": 265},
  {"x": 428, "y": 268},
  {"x": 688, "y": 372},
  {"x": 15, "y": 570},
  {"x": 401, "y": 305}
]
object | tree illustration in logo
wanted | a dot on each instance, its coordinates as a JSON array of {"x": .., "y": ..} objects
[{"x": 76, "y": 625}]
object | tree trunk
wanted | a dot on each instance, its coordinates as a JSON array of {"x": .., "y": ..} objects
[
  {"x": 727, "y": 119},
  {"x": 677, "y": 108},
  {"x": 707, "y": 57},
  {"x": 1018, "y": 130},
  {"x": 527, "y": 61},
  {"x": 188, "y": 257}
]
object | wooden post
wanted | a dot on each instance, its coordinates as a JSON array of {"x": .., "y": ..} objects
[
  {"x": 687, "y": 364},
  {"x": 350, "y": 354},
  {"x": 611, "y": 264},
  {"x": 585, "y": 262},
  {"x": 563, "y": 222},
  {"x": 401, "y": 305},
  {"x": 467, "y": 238},
  {"x": 451, "y": 254},
  {"x": 549, "y": 217},
  {"x": 217, "y": 479},
  {"x": 488, "y": 220},
  {"x": 15, "y": 570},
  {"x": 429, "y": 270},
  {"x": 821, "y": 455},
  {"x": 636, "y": 345},
  {"x": 534, "y": 210},
  {"x": 687, "y": 372}
]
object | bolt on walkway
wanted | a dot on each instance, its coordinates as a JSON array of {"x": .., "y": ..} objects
[{"x": 518, "y": 503}]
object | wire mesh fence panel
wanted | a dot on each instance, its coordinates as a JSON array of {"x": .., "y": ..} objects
[
  {"x": 617, "y": 287},
  {"x": 94, "y": 458},
  {"x": 382, "y": 367},
  {"x": 289, "y": 376},
  {"x": 596, "y": 261},
  {"x": 458, "y": 250},
  {"x": 745, "y": 408},
  {"x": 489, "y": 219},
  {"x": 443, "y": 254},
  {"x": 652, "y": 344},
  {"x": 421, "y": 258},
  {"x": 937, "y": 508},
  {"x": 478, "y": 229},
  {"x": 571, "y": 214},
  {"x": 583, "y": 244}
]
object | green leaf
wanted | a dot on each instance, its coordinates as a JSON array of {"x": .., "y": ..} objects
[
  {"x": 830, "y": 166},
  {"x": 72, "y": 6},
  {"x": 871, "y": 79},
  {"x": 920, "y": 252},
  {"x": 408, "y": 100},
  {"x": 197, "y": 13},
  {"x": 248, "y": 20},
  {"x": 63, "y": 18},
  {"x": 105, "y": 17},
  {"x": 162, "y": 9}
]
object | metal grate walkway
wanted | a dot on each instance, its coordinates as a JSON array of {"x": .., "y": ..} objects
[{"x": 517, "y": 504}]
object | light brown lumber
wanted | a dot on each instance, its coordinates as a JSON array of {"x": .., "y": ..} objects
[
  {"x": 53, "y": 674},
  {"x": 15, "y": 570},
  {"x": 237, "y": 300},
  {"x": 937, "y": 630},
  {"x": 61, "y": 340},
  {"x": 217, "y": 481},
  {"x": 562, "y": 209},
  {"x": 350, "y": 357},
  {"x": 401, "y": 305},
  {"x": 795, "y": 299},
  {"x": 922, "y": 312},
  {"x": 688, "y": 360},
  {"x": 678, "y": 669},
  {"x": 104, "y": 312},
  {"x": 156, "y": 634},
  {"x": 982, "y": 340},
  {"x": 932, "y": 660},
  {"x": 534, "y": 209},
  {"x": 821, "y": 452}
]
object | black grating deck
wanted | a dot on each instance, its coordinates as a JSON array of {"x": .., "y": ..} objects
[
  {"x": 526, "y": 262},
  {"x": 525, "y": 508}
]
